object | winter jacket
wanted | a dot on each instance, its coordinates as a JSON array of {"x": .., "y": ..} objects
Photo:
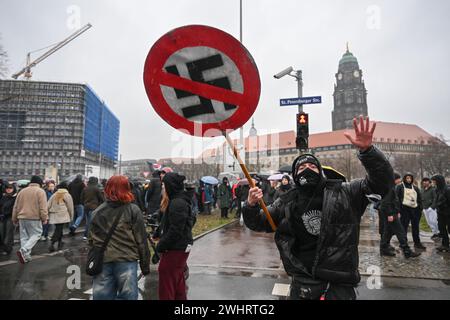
[
  {"x": 428, "y": 197},
  {"x": 282, "y": 189},
  {"x": 224, "y": 196},
  {"x": 6, "y": 205},
  {"x": 91, "y": 197},
  {"x": 442, "y": 200},
  {"x": 389, "y": 205},
  {"x": 153, "y": 195},
  {"x": 336, "y": 259},
  {"x": 60, "y": 212},
  {"x": 75, "y": 189},
  {"x": 400, "y": 190},
  {"x": 176, "y": 224},
  {"x": 178, "y": 220},
  {"x": 31, "y": 204},
  {"x": 129, "y": 240}
]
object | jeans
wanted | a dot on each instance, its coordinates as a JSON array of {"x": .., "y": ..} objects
[
  {"x": 118, "y": 281},
  {"x": 88, "y": 216},
  {"x": 412, "y": 215},
  {"x": 30, "y": 233},
  {"x": 45, "y": 229},
  {"x": 79, "y": 215},
  {"x": 6, "y": 235}
]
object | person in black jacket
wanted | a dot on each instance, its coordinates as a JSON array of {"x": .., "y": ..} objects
[
  {"x": 284, "y": 187},
  {"x": 153, "y": 193},
  {"x": 75, "y": 189},
  {"x": 176, "y": 240},
  {"x": 6, "y": 225},
  {"x": 318, "y": 221},
  {"x": 442, "y": 205},
  {"x": 91, "y": 198},
  {"x": 411, "y": 207},
  {"x": 389, "y": 209}
]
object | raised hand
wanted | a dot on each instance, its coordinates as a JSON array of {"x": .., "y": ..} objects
[{"x": 363, "y": 134}]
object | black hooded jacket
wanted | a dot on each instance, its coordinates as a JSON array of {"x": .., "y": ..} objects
[
  {"x": 153, "y": 194},
  {"x": 75, "y": 189},
  {"x": 178, "y": 220},
  {"x": 442, "y": 200},
  {"x": 400, "y": 191},
  {"x": 336, "y": 255},
  {"x": 6, "y": 204}
]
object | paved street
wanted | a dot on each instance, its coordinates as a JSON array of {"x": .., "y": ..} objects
[{"x": 232, "y": 263}]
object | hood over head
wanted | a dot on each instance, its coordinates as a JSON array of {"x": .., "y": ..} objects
[
  {"x": 173, "y": 183},
  {"x": 93, "y": 181},
  {"x": 440, "y": 181}
]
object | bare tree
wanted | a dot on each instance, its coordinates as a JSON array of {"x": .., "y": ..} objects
[
  {"x": 3, "y": 62},
  {"x": 437, "y": 158}
]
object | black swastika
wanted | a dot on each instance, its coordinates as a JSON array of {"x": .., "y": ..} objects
[{"x": 195, "y": 69}]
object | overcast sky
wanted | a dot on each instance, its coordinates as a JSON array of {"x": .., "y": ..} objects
[{"x": 402, "y": 47}]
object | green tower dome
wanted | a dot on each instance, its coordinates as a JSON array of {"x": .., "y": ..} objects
[{"x": 348, "y": 57}]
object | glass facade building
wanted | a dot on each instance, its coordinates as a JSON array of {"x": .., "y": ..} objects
[{"x": 47, "y": 125}]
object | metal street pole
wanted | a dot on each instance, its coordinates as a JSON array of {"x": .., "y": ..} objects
[
  {"x": 241, "y": 129},
  {"x": 299, "y": 88}
]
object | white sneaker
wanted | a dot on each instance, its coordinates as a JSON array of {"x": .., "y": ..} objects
[
  {"x": 85, "y": 238},
  {"x": 43, "y": 238}
]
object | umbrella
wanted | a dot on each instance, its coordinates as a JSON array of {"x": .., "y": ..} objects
[
  {"x": 23, "y": 182},
  {"x": 71, "y": 178},
  {"x": 232, "y": 178},
  {"x": 287, "y": 169},
  {"x": 210, "y": 180},
  {"x": 276, "y": 177},
  {"x": 244, "y": 182}
]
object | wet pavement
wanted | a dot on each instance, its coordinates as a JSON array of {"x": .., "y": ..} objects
[{"x": 232, "y": 263}]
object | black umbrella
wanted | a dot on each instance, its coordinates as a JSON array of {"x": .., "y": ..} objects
[{"x": 287, "y": 169}]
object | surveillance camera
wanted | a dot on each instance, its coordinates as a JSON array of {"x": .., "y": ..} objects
[{"x": 283, "y": 73}]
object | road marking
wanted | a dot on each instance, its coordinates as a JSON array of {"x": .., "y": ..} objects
[
  {"x": 90, "y": 291},
  {"x": 281, "y": 289},
  {"x": 8, "y": 262}
]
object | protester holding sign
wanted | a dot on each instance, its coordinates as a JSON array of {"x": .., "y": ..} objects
[{"x": 318, "y": 220}]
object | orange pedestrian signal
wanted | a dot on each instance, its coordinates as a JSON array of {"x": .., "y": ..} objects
[
  {"x": 303, "y": 118},
  {"x": 302, "y": 131}
]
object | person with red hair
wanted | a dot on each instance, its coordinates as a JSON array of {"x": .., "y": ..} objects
[{"x": 128, "y": 243}]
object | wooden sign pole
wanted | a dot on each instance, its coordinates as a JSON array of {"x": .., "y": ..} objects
[{"x": 249, "y": 179}]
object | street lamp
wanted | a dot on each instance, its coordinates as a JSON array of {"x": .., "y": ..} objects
[{"x": 297, "y": 74}]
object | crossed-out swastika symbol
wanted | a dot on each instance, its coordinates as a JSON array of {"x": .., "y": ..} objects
[{"x": 196, "y": 73}]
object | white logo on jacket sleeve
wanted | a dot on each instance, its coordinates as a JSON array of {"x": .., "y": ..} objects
[{"x": 311, "y": 221}]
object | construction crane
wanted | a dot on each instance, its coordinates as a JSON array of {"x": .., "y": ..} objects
[{"x": 26, "y": 72}]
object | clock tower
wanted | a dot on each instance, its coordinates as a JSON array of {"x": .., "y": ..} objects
[{"x": 350, "y": 94}]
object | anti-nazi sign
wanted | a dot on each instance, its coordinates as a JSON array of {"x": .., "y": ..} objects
[{"x": 201, "y": 77}]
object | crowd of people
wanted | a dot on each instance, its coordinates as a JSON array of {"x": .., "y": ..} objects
[{"x": 317, "y": 221}]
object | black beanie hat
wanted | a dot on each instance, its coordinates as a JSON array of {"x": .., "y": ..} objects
[{"x": 36, "y": 179}]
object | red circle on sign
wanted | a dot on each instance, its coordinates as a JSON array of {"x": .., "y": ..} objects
[{"x": 196, "y": 36}]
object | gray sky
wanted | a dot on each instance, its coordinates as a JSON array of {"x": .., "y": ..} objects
[{"x": 402, "y": 47}]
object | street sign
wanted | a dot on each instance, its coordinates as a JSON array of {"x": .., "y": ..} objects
[
  {"x": 200, "y": 78},
  {"x": 297, "y": 101}
]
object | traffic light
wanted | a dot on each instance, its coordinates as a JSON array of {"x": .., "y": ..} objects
[{"x": 302, "y": 131}]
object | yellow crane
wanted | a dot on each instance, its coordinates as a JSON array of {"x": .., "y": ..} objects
[{"x": 26, "y": 71}]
